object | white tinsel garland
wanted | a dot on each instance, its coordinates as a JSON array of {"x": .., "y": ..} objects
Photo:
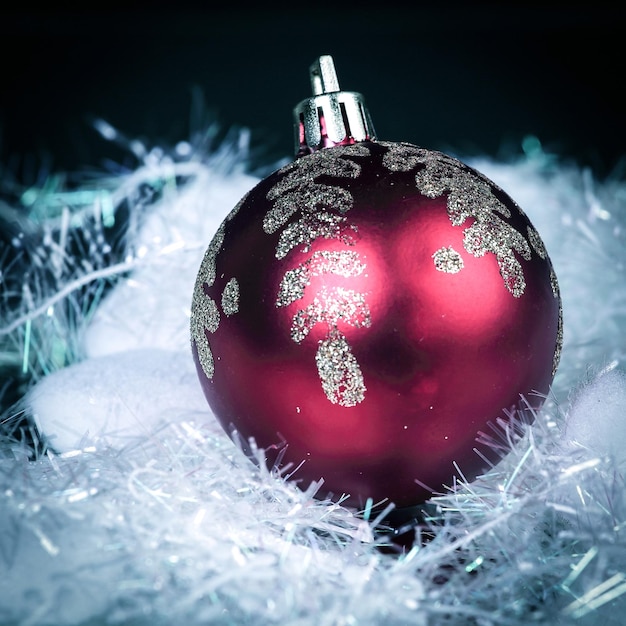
[{"x": 123, "y": 502}]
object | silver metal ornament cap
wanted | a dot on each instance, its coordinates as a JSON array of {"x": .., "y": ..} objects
[{"x": 330, "y": 117}]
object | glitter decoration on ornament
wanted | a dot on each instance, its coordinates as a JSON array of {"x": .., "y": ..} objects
[
  {"x": 539, "y": 247},
  {"x": 230, "y": 297},
  {"x": 448, "y": 260},
  {"x": 559, "y": 331},
  {"x": 298, "y": 191},
  {"x": 311, "y": 227},
  {"x": 205, "y": 315},
  {"x": 469, "y": 196},
  {"x": 536, "y": 242},
  {"x": 344, "y": 263},
  {"x": 340, "y": 374},
  {"x": 339, "y": 371}
]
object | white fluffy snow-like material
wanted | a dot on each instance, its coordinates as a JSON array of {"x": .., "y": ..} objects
[{"x": 123, "y": 502}]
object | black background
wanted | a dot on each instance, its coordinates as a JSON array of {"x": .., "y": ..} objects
[{"x": 468, "y": 78}]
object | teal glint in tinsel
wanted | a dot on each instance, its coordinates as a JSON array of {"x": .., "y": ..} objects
[
  {"x": 48, "y": 291},
  {"x": 65, "y": 246}
]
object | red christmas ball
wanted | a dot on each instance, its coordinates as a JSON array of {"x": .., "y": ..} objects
[{"x": 367, "y": 311}]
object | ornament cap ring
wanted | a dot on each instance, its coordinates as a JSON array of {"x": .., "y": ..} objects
[{"x": 330, "y": 117}]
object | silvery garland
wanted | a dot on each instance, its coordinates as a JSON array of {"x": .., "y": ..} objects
[{"x": 122, "y": 500}]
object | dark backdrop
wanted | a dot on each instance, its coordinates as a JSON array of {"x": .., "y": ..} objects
[{"x": 468, "y": 78}]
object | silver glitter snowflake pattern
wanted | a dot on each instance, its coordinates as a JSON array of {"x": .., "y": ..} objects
[
  {"x": 559, "y": 343},
  {"x": 204, "y": 312},
  {"x": 312, "y": 226},
  {"x": 311, "y": 199},
  {"x": 205, "y": 315},
  {"x": 469, "y": 196},
  {"x": 344, "y": 263},
  {"x": 538, "y": 246},
  {"x": 536, "y": 242},
  {"x": 305, "y": 210},
  {"x": 230, "y": 297},
  {"x": 315, "y": 203},
  {"x": 335, "y": 362},
  {"x": 554, "y": 283},
  {"x": 339, "y": 371},
  {"x": 331, "y": 306},
  {"x": 448, "y": 260}
]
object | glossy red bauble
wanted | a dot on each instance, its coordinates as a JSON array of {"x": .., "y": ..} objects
[{"x": 366, "y": 311}]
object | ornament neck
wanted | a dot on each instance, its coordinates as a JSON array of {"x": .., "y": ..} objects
[{"x": 330, "y": 117}]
